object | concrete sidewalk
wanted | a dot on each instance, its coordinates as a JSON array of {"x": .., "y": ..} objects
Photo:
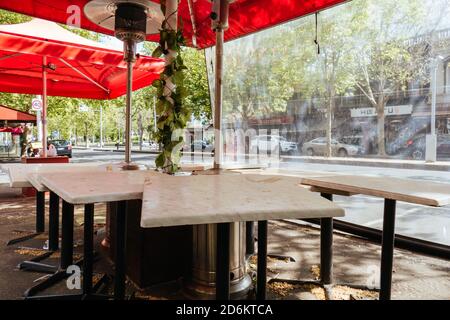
[
  {"x": 356, "y": 261},
  {"x": 374, "y": 162}
]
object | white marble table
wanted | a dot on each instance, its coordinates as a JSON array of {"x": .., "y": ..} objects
[
  {"x": 205, "y": 199},
  {"x": 223, "y": 199},
  {"x": 391, "y": 190},
  {"x": 19, "y": 172},
  {"x": 407, "y": 190},
  {"x": 95, "y": 186},
  {"x": 89, "y": 187}
]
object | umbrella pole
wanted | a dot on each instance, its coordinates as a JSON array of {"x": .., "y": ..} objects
[
  {"x": 218, "y": 146},
  {"x": 44, "y": 106},
  {"x": 128, "y": 112}
]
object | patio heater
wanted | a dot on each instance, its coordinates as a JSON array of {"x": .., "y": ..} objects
[
  {"x": 202, "y": 283},
  {"x": 131, "y": 21}
]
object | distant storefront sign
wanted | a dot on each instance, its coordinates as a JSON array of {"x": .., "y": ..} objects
[{"x": 388, "y": 111}]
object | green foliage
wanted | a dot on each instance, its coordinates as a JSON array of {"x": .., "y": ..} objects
[
  {"x": 7, "y": 17},
  {"x": 171, "y": 92}
]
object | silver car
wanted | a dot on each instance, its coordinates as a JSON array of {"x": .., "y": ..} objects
[
  {"x": 273, "y": 144},
  {"x": 319, "y": 146}
]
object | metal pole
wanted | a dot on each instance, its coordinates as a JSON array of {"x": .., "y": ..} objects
[
  {"x": 326, "y": 246},
  {"x": 120, "y": 251},
  {"x": 53, "y": 224},
  {"x": 218, "y": 99},
  {"x": 387, "y": 249},
  {"x": 44, "y": 106},
  {"x": 128, "y": 112},
  {"x": 433, "y": 99},
  {"x": 261, "y": 276},
  {"x": 40, "y": 211},
  {"x": 88, "y": 248},
  {"x": 101, "y": 127},
  {"x": 67, "y": 235},
  {"x": 154, "y": 114}
]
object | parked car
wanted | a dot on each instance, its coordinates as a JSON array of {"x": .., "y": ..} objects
[
  {"x": 63, "y": 147},
  {"x": 197, "y": 145},
  {"x": 272, "y": 144},
  {"x": 318, "y": 146},
  {"x": 415, "y": 147}
]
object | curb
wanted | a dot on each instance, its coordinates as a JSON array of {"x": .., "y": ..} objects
[{"x": 396, "y": 164}]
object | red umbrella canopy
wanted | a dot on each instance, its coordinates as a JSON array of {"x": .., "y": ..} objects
[
  {"x": 76, "y": 67},
  {"x": 246, "y": 16}
]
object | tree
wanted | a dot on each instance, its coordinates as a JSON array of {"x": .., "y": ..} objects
[
  {"x": 258, "y": 78},
  {"x": 385, "y": 62},
  {"x": 335, "y": 46}
]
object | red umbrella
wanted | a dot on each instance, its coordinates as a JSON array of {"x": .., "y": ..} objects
[
  {"x": 238, "y": 17},
  {"x": 40, "y": 57},
  {"x": 246, "y": 16}
]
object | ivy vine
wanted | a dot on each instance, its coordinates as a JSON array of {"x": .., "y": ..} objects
[{"x": 172, "y": 115}]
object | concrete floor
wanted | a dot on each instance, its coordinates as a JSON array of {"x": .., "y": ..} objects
[{"x": 355, "y": 261}]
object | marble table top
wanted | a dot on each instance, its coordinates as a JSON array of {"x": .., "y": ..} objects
[
  {"x": 204, "y": 199},
  {"x": 94, "y": 186},
  {"x": 407, "y": 190},
  {"x": 19, "y": 173}
]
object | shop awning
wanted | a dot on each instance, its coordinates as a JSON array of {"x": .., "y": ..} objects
[{"x": 15, "y": 116}]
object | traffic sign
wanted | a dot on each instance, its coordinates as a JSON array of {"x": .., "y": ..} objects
[{"x": 36, "y": 104}]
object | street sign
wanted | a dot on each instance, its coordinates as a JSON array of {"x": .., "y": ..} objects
[
  {"x": 83, "y": 108},
  {"x": 36, "y": 104}
]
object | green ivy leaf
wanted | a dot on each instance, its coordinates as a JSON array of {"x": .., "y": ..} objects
[{"x": 158, "y": 52}]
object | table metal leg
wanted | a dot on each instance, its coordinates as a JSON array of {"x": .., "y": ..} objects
[
  {"x": 120, "y": 262},
  {"x": 40, "y": 220},
  {"x": 387, "y": 249},
  {"x": 53, "y": 239},
  {"x": 326, "y": 250},
  {"x": 250, "y": 238},
  {"x": 223, "y": 261},
  {"x": 40, "y": 211},
  {"x": 53, "y": 228},
  {"x": 88, "y": 248},
  {"x": 326, "y": 246},
  {"x": 261, "y": 277},
  {"x": 67, "y": 235}
]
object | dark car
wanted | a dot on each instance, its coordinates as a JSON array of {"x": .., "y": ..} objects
[
  {"x": 63, "y": 147},
  {"x": 415, "y": 148}
]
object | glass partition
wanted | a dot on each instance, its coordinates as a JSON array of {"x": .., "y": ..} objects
[{"x": 366, "y": 82}]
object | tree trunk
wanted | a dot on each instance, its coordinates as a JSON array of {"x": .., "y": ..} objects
[
  {"x": 380, "y": 125},
  {"x": 140, "y": 130},
  {"x": 86, "y": 134},
  {"x": 330, "y": 110}
]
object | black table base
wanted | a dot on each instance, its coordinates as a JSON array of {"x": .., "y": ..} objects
[
  {"x": 89, "y": 291},
  {"x": 223, "y": 261},
  {"x": 53, "y": 240},
  {"x": 40, "y": 220}
]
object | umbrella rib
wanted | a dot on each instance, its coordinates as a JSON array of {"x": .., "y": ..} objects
[
  {"x": 194, "y": 27},
  {"x": 10, "y": 56},
  {"x": 84, "y": 75}
]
